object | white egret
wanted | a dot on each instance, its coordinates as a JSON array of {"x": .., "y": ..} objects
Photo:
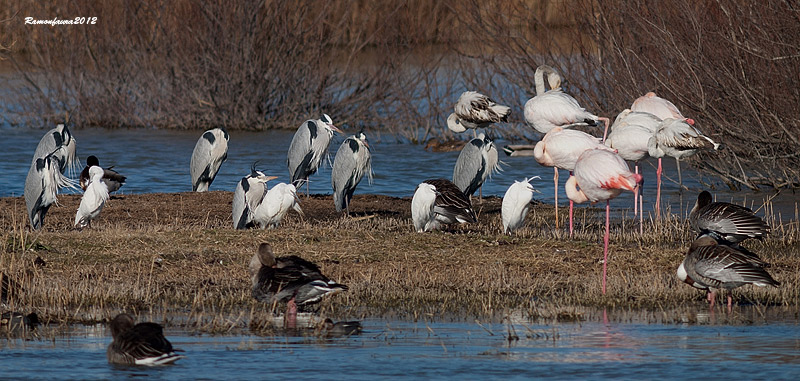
[
  {"x": 275, "y": 205},
  {"x": 93, "y": 198},
  {"x": 516, "y": 203}
]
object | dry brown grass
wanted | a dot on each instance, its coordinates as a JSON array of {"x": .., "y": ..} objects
[{"x": 158, "y": 254}]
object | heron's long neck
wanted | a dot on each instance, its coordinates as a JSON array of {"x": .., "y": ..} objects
[{"x": 573, "y": 193}]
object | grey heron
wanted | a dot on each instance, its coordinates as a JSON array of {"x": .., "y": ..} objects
[
  {"x": 140, "y": 344},
  {"x": 289, "y": 279},
  {"x": 275, "y": 205},
  {"x": 308, "y": 148},
  {"x": 709, "y": 265},
  {"x": 60, "y": 136},
  {"x": 474, "y": 110},
  {"x": 111, "y": 178},
  {"x": 209, "y": 153},
  {"x": 93, "y": 198},
  {"x": 555, "y": 108},
  {"x": 477, "y": 161},
  {"x": 676, "y": 138},
  {"x": 249, "y": 193},
  {"x": 516, "y": 203},
  {"x": 450, "y": 204},
  {"x": 352, "y": 161},
  {"x": 42, "y": 184}
]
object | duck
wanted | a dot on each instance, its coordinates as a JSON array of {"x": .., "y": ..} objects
[
  {"x": 289, "y": 279},
  {"x": 711, "y": 266},
  {"x": 112, "y": 178},
  {"x": 725, "y": 221},
  {"x": 139, "y": 344}
]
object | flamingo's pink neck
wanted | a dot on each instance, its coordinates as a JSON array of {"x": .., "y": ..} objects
[{"x": 573, "y": 193}]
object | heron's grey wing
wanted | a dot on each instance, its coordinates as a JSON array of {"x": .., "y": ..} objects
[
  {"x": 201, "y": 159},
  {"x": 469, "y": 168},
  {"x": 732, "y": 221},
  {"x": 34, "y": 193},
  {"x": 240, "y": 207},
  {"x": 343, "y": 174},
  {"x": 49, "y": 142},
  {"x": 300, "y": 154}
]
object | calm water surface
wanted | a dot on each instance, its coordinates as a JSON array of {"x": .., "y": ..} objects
[
  {"x": 158, "y": 161},
  {"x": 419, "y": 350}
]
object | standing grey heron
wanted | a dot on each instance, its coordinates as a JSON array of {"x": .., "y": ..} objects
[
  {"x": 140, "y": 344},
  {"x": 249, "y": 193},
  {"x": 352, "y": 161},
  {"x": 209, "y": 153},
  {"x": 474, "y": 110},
  {"x": 93, "y": 198},
  {"x": 516, "y": 203},
  {"x": 42, "y": 184},
  {"x": 477, "y": 161},
  {"x": 275, "y": 205},
  {"x": 450, "y": 205},
  {"x": 111, "y": 178},
  {"x": 60, "y": 136},
  {"x": 309, "y": 146}
]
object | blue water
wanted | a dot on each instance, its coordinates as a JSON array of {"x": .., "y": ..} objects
[
  {"x": 420, "y": 350},
  {"x": 158, "y": 161}
]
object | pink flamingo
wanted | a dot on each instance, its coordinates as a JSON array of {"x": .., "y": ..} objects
[
  {"x": 658, "y": 106},
  {"x": 601, "y": 176},
  {"x": 629, "y": 136},
  {"x": 676, "y": 138},
  {"x": 561, "y": 148},
  {"x": 555, "y": 108}
]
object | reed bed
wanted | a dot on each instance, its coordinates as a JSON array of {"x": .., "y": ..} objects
[{"x": 159, "y": 254}]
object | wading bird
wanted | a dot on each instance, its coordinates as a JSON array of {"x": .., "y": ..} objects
[
  {"x": 601, "y": 176},
  {"x": 450, "y": 205},
  {"x": 561, "y": 148},
  {"x": 676, "y": 138},
  {"x": 275, "y": 205},
  {"x": 516, "y": 203},
  {"x": 112, "y": 178},
  {"x": 140, "y": 344},
  {"x": 554, "y": 108},
  {"x": 352, "y": 161},
  {"x": 477, "y": 161},
  {"x": 660, "y": 107},
  {"x": 247, "y": 197},
  {"x": 291, "y": 280},
  {"x": 308, "y": 148},
  {"x": 709, "y": 265},
  {"x": 209, "y": 153},
  {"x": 60, "y": 136},
  {"x": 474, "y": 110},
  {"x": 93, "y": 198},
  {"x": 630, "y": 135},
  {"x": 725, "y": 221},
  {"x": 42, "y": 184}
]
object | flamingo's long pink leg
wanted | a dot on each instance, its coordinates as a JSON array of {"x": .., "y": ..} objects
[
  {"x": 658, "y": 191},
  {"x": 555, "y": 187},
  {"x": 571, "y": 205},
  {"x": 605, "y": 245}
]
